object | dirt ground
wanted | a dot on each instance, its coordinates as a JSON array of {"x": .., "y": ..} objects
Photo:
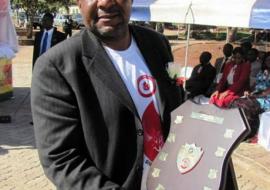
[
  {"x": 215, "y": 48},
  {"x": 196, "y": 47}
]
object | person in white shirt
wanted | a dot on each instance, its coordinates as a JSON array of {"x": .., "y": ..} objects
[
  {"x": 101, "y": 101},
  {"x": 256, "y": 66},
  {"x": 219, "y": 66}
]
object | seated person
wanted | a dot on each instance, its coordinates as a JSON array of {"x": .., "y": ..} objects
[
  {"x": 220, "y": 65},
  {"x": 245, "y": 46},
  {"x": 261, "y": 55},
  {"x": 256, "y": 66},
  {"x": 201, "y": 77},
  {"x": 257, "y": 101},
  {"x": 234, "y": 81}
]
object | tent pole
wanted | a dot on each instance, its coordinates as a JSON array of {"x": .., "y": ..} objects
[
  {"x": 186, "y": 55},
  {"x": 227, "y": 35}
]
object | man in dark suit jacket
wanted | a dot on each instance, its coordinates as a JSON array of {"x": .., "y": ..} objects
[
  {"x": 221, "y": 61},
  {"x": 220, "y": 65},
  {"x": 88, "y": 127},
  {"x": 201, "y": 77},
  {"x": 54, "y": 37}
]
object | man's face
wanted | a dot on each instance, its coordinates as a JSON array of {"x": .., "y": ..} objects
[
  {"x": 202, "y": 58},
  {"x": 251, "y": 56},
  {"x": 106, "y": 18},
  {"x": 238, "y": 58},
  {"x": 227, "y": 51},
  {"x": 47, "y": 22}
]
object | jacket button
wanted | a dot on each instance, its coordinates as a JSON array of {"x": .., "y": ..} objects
[{"x": 139, "y": 132}]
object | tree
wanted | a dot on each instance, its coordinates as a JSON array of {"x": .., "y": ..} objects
[
  {"x": 32, "y": 7},
  {"x": 62, "y": 3},
  {"x": 231, "y": 34}
]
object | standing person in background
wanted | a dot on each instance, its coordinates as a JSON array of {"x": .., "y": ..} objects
[
  {"x": 234, "y": 81},
  {"x": 101, "y": 101},
  {"x": 67, "y": 26},
  {"x": 220, "y": 65},
  {"x": 48, "y": 37},
  {"x": 160, "y": 27}
]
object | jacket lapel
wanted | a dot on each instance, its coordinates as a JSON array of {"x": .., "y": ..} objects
[
  {"x": 97, "y": 62},
  {"x": 54, "y": 37},
  {"x": 39, "y": 38},
  {"x": 151, "y": 58}
]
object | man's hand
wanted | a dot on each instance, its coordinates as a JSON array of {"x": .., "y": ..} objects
[{"x": 246, "y": 93}]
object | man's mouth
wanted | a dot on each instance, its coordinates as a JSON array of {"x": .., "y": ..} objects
[{"x": 108, "y": 15}]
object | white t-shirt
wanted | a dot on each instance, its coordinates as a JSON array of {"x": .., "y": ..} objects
[
  {"x": 231, "y": 75},
  {"x": 142, "y": 87}
]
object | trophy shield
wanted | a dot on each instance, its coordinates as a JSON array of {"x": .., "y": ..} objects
[{"x": 197, "y": 150}]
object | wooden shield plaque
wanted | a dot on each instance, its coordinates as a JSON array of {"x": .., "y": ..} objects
[{"x": 196, "y": 153}]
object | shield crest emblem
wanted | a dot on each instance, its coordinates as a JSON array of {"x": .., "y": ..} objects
[{"x": 188, "y": 157}]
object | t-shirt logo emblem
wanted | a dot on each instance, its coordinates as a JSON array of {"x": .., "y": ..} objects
[{"x": 146, "y": 85}]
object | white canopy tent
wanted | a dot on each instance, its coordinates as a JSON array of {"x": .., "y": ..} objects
[
  {"x": 234, "y": 13},
  {"x": 230, "y": 13}
]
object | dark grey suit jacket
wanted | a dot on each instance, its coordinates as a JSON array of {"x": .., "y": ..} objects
[{"x": 87, "y": 129}]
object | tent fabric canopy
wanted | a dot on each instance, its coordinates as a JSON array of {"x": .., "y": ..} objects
[
  {"x": 8, "y": 36},
  {"x": 233, "y": 13}
]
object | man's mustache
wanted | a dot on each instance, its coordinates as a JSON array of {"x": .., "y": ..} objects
[{"x": 111, "y": 10}]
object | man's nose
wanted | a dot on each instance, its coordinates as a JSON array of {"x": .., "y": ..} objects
[{"x": 106, "y": 3}]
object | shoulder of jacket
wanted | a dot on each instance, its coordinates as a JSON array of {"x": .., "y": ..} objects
[
  {"x": 59, "y": 33},
  {"x": 39, "y": 33},
  {"x": 146, "y": 31},
  {"x": 66, "y": 48}
]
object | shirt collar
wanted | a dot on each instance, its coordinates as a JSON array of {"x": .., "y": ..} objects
[
  {"x": 228, "y": 58},
  {"x": 49, "y": 31}
]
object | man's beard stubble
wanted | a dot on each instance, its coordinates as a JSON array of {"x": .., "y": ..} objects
[
  {"x": 109, "y": 33},
  {"x": 104, "y": 34}
]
